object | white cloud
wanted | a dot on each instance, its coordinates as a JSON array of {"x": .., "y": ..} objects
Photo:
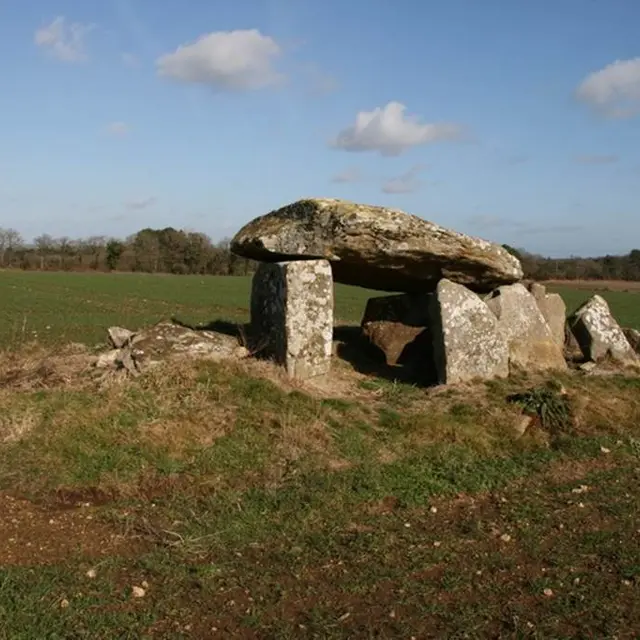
[
  {"x": 348, "y": 175},
  {"x": 388, "y": 131},
  {"x": 614, "y": 90},
  {"x": 65, "y": 41},
  {"x": 596, "y": 159},
  {"x": 140, "y": 203},
  {"x": 408, "y": 182},
  {"x": 130, "y": 60},
  {"x": 233, "y": 60},
  {"x": 118, "y": 129}
]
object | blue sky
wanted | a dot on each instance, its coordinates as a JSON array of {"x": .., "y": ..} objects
[{"x": 514, "y": 120}]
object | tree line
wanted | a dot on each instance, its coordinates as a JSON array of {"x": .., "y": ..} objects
[
  {"x": 622, "y": 267},
  {"x": 166, "y": 250},
  {"x": 177, "y": 251}
]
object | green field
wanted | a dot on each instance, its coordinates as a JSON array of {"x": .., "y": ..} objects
[{"x": 64, "y": 307}]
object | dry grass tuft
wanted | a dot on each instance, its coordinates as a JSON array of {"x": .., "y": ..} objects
[{"x": 33, "y": 368}]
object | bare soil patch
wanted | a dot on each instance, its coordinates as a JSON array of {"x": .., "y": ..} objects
[{"x": 40, "y": 535}]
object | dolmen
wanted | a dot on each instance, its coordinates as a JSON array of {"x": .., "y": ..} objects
[{"x": 459, "y": 301}]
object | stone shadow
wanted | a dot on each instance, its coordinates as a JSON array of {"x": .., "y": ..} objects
[
  {"x": 350, "y": 345},
  {"x": 414, "y": 365}
]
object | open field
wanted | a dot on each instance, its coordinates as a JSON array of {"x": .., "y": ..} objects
[
  {"x": 63, "y": 307},
  {"x": 223, "y": 501}
]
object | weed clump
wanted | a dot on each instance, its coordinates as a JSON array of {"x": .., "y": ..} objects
[{"x": 550, "y": 404}]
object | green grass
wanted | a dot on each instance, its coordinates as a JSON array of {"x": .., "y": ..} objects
[
  {"x": 263, "y": 511},
  {"x": 63, "y": 307}
]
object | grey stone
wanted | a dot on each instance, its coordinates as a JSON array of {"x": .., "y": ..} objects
[
  {"x": 376, "y": 247},
  {"x": 537, "y": 290},
  {"x": 398, "y": 326},
  {"x": 292, "y": 310},
  {"x": 107, "y": 359},
  {"x": 119, "y": 337},
  {"x": 531, "y": 344},
  {"x": 169, "y": 341},
  {"x": 467, "y": 341},
  {"x": 598, "y": 333},
  {"x": 554, "y": 311}
]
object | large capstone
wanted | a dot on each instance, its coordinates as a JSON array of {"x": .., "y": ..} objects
[
  {"x": 467, "y": 341},
  {"x": 532, "y": 345},
  {"x": 376, "y": 247},
  {"x": 292, "y": 315},
  {"x": 398, "y": 326},
  {"x": 598, "y": 333}
]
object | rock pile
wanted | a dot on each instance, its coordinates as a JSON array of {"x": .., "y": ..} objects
[
  {"x": 166, "y": 341},
  {"x": 460, "y": 308}
]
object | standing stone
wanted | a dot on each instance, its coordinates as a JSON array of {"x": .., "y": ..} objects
[
  {"x": 398, "y": 326},
  {"x": 553, "y": 309},
  {"x": 467, "y": 342},
  {"x": 531, "y": 343},
  {"x": 598, "y": 333},
  {"x": 292, "y": 315}
]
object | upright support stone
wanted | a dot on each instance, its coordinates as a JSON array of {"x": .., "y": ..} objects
[
  {"x": 532, "y": 345},
  {"x": 467, "y": 341},
  {"x": 553, "y": 309},
  {"x": 292, "y": 315}
]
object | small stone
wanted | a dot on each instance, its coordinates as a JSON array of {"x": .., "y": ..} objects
[
  {"x": 108, "y": 359},
  {"x": 138, "y": 592},
  {"x": 119, "y": 337},
  {"x": 605, "y": 450},
  {"x": 433, "y": 510},
  {"x": 505, "y": 537},
  {"x": 548, "y": 592},
  {"x": 437, "y": 543},
  {"x": 407, "y": 525},
  {"x": 92, "y": 573}
]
